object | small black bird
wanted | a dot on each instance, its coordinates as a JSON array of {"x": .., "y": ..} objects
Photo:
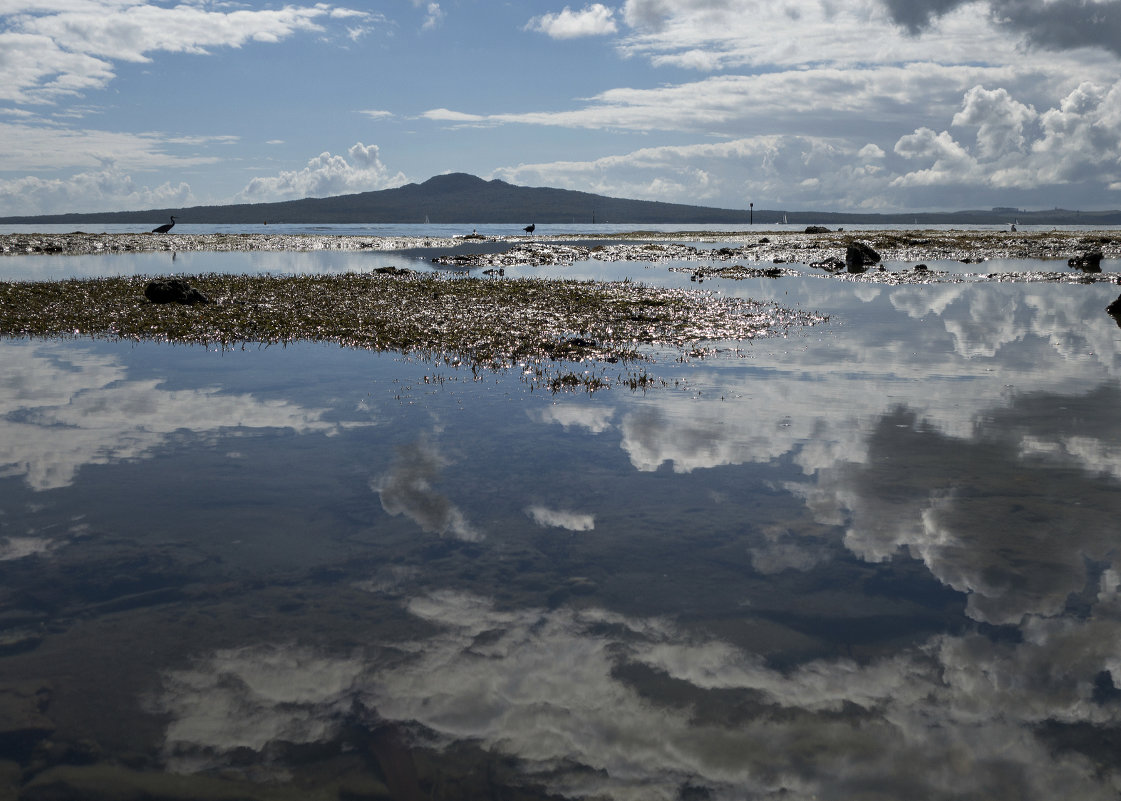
[
  {"x": 529, "y": 228},
  {"x": 163, "y": 229}
]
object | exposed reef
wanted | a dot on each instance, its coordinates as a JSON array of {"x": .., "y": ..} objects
[{"x": 474, "y": 322}]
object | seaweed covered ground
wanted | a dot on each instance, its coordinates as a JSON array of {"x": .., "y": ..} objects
[
  {"x": 535, "y": 323},
  {"x": 480, "y": 322}
]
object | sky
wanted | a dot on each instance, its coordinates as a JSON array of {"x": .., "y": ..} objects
[{"x": 847, "y": 105}]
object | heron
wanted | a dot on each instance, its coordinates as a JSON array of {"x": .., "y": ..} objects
[
  {"x": 163, "y": 229},
  {"x": 529, "y": 228}
]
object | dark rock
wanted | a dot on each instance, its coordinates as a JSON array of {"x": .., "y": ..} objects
[
  {"x": 393, "y": 270},
  {"x": 1114, "y": 308},
  {"x": 1090, "y": 261},
  {"x": 859, "y": 256},
  {"x": 816, "y": 229},
  {"x": 174, "y": 290},
  {"x": 922, "y": 268}
]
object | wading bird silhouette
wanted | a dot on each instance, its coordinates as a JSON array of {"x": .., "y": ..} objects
[
  {"x": 529, "y": 228},
  {"x": 163, "y": 229}
]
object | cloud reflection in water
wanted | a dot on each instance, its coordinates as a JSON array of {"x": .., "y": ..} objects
[
  {"x": 596, "y": 703},
  {"x": 407, "y": 489},
  {"x": 980, "y": 449},
  {"x": 924, "y": 445},
  {"x": 62, "y": 407},
  {"x": 559, "y": 518}
]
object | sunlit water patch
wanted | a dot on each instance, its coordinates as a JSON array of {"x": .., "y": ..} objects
[{"x": 59, "y": 267}]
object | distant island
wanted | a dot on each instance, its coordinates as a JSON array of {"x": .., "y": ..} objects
[{"x": 467, "y": 199}]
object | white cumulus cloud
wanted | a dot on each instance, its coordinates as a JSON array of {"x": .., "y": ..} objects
[
  {"x": 52, "y": 50},
  {"x": 1076, "y": 142},
  {"x": 433, "y": 14},
  {"x": 361, "y": 170},
  {"x": 110, "y": 188},
  {"x": 593, "y": 20}
]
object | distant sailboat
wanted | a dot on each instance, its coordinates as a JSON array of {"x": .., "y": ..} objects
[
  {"x": 784, "y": 220},
  {"x": 426, "y": 220}
]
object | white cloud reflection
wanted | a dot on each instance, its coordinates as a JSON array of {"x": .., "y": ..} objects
[
  {"x": 907, "y": 444},
  {"x": 596, "y": 419},
  {"x": 20, "y": 547},
  {"x": 62, "y": 408},
  {"x": 596, "y": 704},
  {"x": 559, "y": 518},
  {"x": 249, "y": 697}
]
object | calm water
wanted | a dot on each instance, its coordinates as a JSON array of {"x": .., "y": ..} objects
[{"x": 872, "y": 560}]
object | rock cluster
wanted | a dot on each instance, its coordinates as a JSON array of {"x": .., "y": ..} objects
[{"x": 174, "y": 290}]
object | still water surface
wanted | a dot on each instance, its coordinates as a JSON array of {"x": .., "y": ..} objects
[{"x": 872, "y": 560}]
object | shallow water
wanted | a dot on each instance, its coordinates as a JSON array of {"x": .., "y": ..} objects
[
  {"x": 873, "y": 559},
  {"x": 61, "y": 267}
]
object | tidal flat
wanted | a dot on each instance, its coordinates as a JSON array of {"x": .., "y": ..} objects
[
  {"x": 474, "y": 322},
  {"x": 918, "y": 244},
  {"x": 486, "y": 320}
]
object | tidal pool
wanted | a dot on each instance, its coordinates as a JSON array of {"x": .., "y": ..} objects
[{"x": 872, "y": 559}]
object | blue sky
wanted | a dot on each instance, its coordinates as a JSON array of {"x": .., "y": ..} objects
[{"x": 880, "y": 105}]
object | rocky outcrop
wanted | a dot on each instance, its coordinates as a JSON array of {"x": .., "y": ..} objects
[
  {"x": 859, "y": 257},
  {"x": 1089, "y": 261}
]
